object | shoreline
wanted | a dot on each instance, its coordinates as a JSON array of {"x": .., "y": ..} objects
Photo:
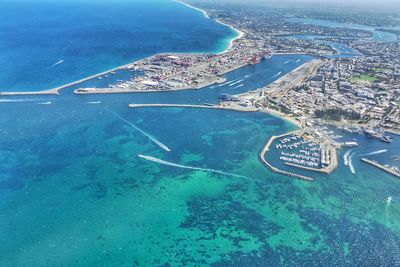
[
  {"x": 56, "y": 90},
  {"x": 239, "y": 34},
  {"x": 264, "y": 150}
]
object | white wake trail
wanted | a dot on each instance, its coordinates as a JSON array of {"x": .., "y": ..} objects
[
  {"x": 388, "y": 202},
  {"x": 353, "y": 171},
  {"x": 228, "y": 83},
  {"x": 163, "y": 162},
  {"x": 153, "y": 139},
  {"x": 237, "y": 82},
  {"x": 276, "y": 75},
  {"x": 346, "y": 157},
  {"x": 376, "y": 152},
  {"x": 55, "y": 64},
  {"x": 9, "y": 100}
]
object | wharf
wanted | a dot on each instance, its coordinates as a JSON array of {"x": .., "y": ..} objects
[
  {"x": 380, "y": 166},
  {"x": 116, "y": 90}
]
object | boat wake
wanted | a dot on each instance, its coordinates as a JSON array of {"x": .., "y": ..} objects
[
  {"x": 388, "y": 202},
  {"x": 237, "y": 82},
  {"x": 45, "y": 103},
  {"x": 346, "y": 157},
  {"x": 351, "y": 166},
  {"x": 240, "y": 85},
  {"x": 276, "y": 75},
  {"x": 376, "y": 152},
  {"x": 55, "y": 64},
  {"x": 286, "y": 62},
  {"x": 93, "y": 102},
  {"x": 163, "y": 162},
  {"x": 153, "y": 139},
  {"x": 7, "y": 100},
  {"x": 348, "y": 160},
  {"x": 228, "y": 83}
]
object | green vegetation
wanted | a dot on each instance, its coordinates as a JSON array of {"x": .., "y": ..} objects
[
  {"x": 337, "y": 114},
  {"x": 325, "y": 47},
  {"x": 381, "y": 69},
  {"x": 363, "y": 78}
]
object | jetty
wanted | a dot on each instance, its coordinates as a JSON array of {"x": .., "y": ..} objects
[
  {"x": 236, "y": 108},
  {"x": 382, "y": 167},
  {"x": 56, "y": 91}
]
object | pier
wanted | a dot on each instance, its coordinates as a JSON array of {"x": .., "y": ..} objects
[{"x": 382, "y": 167}]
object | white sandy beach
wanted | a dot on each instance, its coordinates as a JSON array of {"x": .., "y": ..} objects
[{"x": 239, "y": 34}]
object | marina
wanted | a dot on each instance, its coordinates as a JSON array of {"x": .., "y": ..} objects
[{"x": 266, "y": 149}]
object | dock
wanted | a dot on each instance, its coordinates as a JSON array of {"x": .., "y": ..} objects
[{"x": 382, "y": 167}]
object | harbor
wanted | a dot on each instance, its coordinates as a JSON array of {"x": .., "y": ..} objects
[
  {"x": 391, "y": 170},
  {"x": 262, "y": 157},
  {"x": 298, "y": 152}
]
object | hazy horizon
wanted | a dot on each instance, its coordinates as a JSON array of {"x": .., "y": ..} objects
[{"x": 388, "y": 5}]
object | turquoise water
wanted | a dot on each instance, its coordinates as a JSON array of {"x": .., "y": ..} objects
[
  {"x": 73, "y": 191},
  {"x": 88, "y": 37}
]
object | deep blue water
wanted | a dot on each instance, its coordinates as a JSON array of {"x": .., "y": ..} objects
[
  {"x": 91, "y": 36},
  {"x": 73, "y": 191}
]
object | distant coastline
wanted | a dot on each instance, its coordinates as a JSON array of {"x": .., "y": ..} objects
[
  {"x": 239, "y": 33},
  {"x": 56, "y": 90}
]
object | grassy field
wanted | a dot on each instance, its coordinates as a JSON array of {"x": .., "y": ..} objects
[
  {"x": 381, "y": 69},
  {"x": 363, "y": 78}
]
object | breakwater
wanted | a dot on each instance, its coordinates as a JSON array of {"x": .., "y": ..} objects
[
  {"x": 265, "y": 150},
  {"x": 236, "y": 108},
  {"x": 382, "y": 167}
]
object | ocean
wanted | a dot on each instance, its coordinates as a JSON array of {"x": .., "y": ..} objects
[
  {"x": 74, "y": 190},
  {"x": 58, "y": 42}
]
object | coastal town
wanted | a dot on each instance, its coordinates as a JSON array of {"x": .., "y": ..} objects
[
  {"x": 358, "y": 91},
  {"x": 360, "y": 94},
  {"x": 200, "y": 133}
]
